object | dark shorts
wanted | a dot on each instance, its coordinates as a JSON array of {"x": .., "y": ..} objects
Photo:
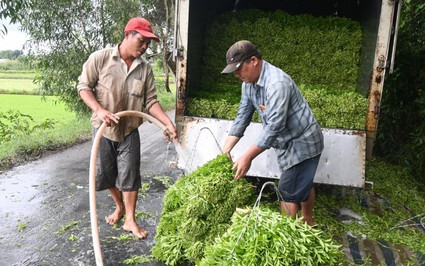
[
  {"x": 118, "y": 164},
  {"x": 296, "y": 182}
]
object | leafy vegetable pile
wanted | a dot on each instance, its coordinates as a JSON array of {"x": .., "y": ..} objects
[
  {"x": 198, "y": 208},
  {"x": 321, "y": 54},
  {"x": 265, "y": 237},
  {"x": 312, "y": 50},
  {"x": 199, "y": 224},
  {"x": 332, "y": 109}
]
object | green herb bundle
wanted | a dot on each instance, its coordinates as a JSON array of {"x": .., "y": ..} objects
[
  {"x": 197, "y": 209},
  {"x": 215, "y": 108},
  {"x": 332, "y": 109},
  {"x": 312, "y": 50},
  {"x": 265, "y": 237},
  {"x": 337, "y": 109},
  {"x": 321, "y": 54}
]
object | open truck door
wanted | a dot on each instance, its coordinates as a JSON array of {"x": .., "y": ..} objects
[{"x": 344, "y": 157}]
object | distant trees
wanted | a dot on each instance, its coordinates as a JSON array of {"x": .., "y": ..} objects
[{"x": 10, "y": 54}]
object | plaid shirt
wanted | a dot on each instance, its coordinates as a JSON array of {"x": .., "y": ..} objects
[{"x": 289, "y": 125}]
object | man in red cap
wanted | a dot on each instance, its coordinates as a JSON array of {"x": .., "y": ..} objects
[{"x": 118, "y": 79}]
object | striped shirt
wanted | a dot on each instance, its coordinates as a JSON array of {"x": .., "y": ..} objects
[{"x": 289, "y": 125}]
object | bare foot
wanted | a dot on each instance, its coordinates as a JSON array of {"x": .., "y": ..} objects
[
  {"x": 115, "y": 217},
  {"x": 132, "y": 226},
  {"x": 310, "y": 222}
]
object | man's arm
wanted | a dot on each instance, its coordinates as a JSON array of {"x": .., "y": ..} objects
[
  {"x": 231, "y": 141},
  {"x": 156, "y": 111}
]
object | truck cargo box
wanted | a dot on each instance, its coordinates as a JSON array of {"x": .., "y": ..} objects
[{"x": 344, "y": 157}]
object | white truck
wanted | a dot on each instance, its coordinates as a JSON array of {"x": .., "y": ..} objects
[{"x": 346, "y": 151}]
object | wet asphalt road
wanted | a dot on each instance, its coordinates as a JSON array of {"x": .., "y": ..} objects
[{"x": 44, "y": 207}]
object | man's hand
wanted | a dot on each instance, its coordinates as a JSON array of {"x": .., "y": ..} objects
[
  {"x": 102, "y": 113},
  {"x": 107, "y": 116},
  {"x": 241, "y": 166},
  {"x": 243, "y": 163},
  {"x": 171, "y": 133}
]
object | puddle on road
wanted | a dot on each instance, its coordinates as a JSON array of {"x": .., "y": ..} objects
[{"x": 21, "y": 195}]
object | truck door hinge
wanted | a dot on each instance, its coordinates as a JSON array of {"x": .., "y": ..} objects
[
  {"x": 180, "y": 53},
  {"x": 382, "y": 64}
]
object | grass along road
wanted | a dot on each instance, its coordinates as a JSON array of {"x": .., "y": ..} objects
[{"x": 66, "y": 127}]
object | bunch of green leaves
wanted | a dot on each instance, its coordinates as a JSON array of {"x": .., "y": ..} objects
[
  {"x": 336, "y": 108},
  {"x": 229, "y": 91},
  {"x": 265, "y": 237},
  {"x": 312, "y": 50},
  {"x": 138, "y": 259},
  {"x": 66, "y": 227},
  {"x": 21, "y": 227},
  {"x": 10, "y": 9},
  {"x": 214, "y": 108},
  {"x": 13, "y": 123},
  {"x": 332, "y": 108},
  {"x": 197, "y": 208}
]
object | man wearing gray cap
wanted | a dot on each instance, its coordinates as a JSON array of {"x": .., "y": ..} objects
[{"x": 289, "y": 127}]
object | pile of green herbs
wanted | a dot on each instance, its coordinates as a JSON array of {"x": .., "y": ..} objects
[
  {"x": 321, "y": 54},
  {"x": 199, "y": 224},
  {"x": 332, "y": 109},
  {"x": 197, "y": 209},
  {"x": 264, "y": 236}
]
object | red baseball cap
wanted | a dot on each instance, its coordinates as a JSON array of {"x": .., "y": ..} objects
[{"x": 142, "y": 26}]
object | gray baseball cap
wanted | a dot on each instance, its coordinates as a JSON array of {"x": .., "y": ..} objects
[{"x": 237, "y": 53}]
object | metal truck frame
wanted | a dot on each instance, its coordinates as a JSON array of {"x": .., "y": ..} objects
[{"x": 344, "y": 158}]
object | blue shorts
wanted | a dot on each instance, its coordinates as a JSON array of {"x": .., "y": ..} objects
[
  {"x": 118, "y": 164},
  {"x": 296, "y": 182}
]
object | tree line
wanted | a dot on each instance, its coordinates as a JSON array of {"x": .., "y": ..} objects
[{"x": 10, "y": 54}]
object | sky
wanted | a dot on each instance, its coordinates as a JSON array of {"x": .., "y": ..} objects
[{"x": 14, "y": 39}]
